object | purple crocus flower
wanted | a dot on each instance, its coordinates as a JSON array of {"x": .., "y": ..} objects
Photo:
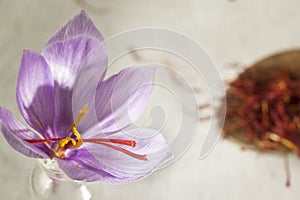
[{"x": 54, "y": 95}]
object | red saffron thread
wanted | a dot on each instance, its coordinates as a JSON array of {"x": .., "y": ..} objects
[
  {"x": 44, "y": 140},
  {"x": 129, "y": 153},
  {"x": 287, "y": 170},
  {"x": 131, "y": 143},
  {"x": 101, "y": 141}
]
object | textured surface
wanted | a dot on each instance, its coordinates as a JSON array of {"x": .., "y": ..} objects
[{"x": 231, "y": 31}]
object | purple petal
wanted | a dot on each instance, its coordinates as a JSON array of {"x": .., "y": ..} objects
[
  {"x": 67, "y": 58},
  {"x": 63, "y": 111},
  {"x": 80, "y": 25},
  {"x": 35, "y": 92},
  {"x": 76, "y": 45},
  {"x": 79, "y": 172},
  {"x": 81, "y": 165},
  {"x": 70, "y": 53},
  {"x": 126, "y": 168},
  {"x": 83, "y": 95},
  {"x": 120, "y": 100},
  {"x": 15, "y": 133}
]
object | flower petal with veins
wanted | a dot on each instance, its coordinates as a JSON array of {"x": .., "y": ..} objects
[
  {"x": 15, "y": 133},
  {"x": 35, "y": 96}
]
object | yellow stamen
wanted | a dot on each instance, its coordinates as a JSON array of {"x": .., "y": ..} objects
[
  {"x": 63, "y": 142},
  {"x": 79, "y": 117},
  {"x": 75, "y": 142},
  {"x": 78, "y": 137}
]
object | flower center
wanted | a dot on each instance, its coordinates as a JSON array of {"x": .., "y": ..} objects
[{"x": 76, "y": 141}]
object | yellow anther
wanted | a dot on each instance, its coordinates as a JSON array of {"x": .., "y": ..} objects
[
  {"x": 63, "y": 142},
  {"x": 78, "y": 137},
  {"x": 79, "y": 117},
  {"x": 78, "y": 141}
]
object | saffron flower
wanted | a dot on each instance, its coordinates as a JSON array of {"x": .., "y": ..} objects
[{"x": 77, "y": 117}]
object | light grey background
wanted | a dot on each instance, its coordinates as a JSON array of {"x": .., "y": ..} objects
[{"x": 231, "y": 31}]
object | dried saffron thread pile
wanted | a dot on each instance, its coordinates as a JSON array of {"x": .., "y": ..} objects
[{"x": 263, "y": 109}]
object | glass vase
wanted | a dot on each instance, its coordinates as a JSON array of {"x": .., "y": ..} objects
[{"x": 48, "y": 182}]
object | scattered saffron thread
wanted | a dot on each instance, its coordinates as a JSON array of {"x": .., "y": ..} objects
[{"x": 287, "y": 170}]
